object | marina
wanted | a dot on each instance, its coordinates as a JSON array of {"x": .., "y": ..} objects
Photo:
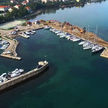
[
  {"x": 76, "y": 78},
  {"x": 70, "y": 67}
]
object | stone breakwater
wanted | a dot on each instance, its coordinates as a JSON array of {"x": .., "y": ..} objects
[{"x": 22, "y": 77}]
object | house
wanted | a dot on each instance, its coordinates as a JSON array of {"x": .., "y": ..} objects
[
  {"x": 44, "y": 1},
  {"x": 28, "y": 9},
  {"x": 29, "y": 23},
  {"x": 12, "y": 1},
  {"x": 17, "y": 6},
  {"x": 25, "y": 2},
  {"x": 4, "y": 8}
]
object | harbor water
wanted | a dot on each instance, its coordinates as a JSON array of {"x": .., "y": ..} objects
[{"x": 76, "y": 78}]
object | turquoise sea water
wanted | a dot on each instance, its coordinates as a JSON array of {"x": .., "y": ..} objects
[{"x": 75, "y": 78}]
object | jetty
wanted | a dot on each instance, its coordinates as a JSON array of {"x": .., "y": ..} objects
[
  {"x": 42, "y": 65},
  {"x": 78, "y": 32}
]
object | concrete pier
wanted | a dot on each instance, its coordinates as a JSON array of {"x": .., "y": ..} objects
[{"x": 23, "y": 77}]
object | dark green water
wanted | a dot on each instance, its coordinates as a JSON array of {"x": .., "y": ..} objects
[{"x": 75, "y": 78}]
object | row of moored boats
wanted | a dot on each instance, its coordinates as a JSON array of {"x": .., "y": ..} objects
[
  {"x": 27, "y": 33},
  {"x": 6, "y": 76},
  {"x": 85, "y": 43},
  {"x": 3, "y": 44},
  {"x": 17, "y": 72}
]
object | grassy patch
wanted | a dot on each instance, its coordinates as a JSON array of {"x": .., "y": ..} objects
[{"x": 10, "y": 25}]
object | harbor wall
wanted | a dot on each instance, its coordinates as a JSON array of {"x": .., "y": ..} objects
[{"x": 22, "y": 78}]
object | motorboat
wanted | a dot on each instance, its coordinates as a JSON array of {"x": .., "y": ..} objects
[
  {"x": 4, "y": 46},
  {"x": 57, "y": 32},
  {"x": 97, "y": 49},
  {"x": 74, "y": 39},
  {"x": 62, "y": 36},
  {"x": 95, "y": 46},
  {"x": 89, "y": 46},
  {"x": 16, "y": 72},
  {"x": 82, "y": 42},
  {"x": 46, "y": 27},
  {"x": 27, "y": 32},
  {"x": 3, "y": 77},
  {"x": 86, "y": 43}
]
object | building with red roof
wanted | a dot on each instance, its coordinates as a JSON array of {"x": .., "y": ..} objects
[
  {"x": 28, "y": 9},
  {"x": 17, "y": 6},
  {"x": 4, "y": 8},
  {"x": 25, "y": 2}
]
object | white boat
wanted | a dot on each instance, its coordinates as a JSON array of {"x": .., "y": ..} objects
[
  {"x": 15, "y": 73},
  {"x": 61, "y": 33},
  {"x": 68, "y": 35},
  {"x": 82, "y": 42},
  {"x": 68, "y": 38},
  {"x": 24, "y": 35},
  {"x": 1, "y": 80},
  {"x": 3, "y": 42},
  {"x": 87, "y": 47},
  {"x": 53, "y": 30},
  {"x": 95, "y": 46},
  {"x": 97, "y": 49},
  {"x": 4, "y": 46},
  {"x": 46, "y": 27},
  {"x": 86, "y": 43},
  {"x": 57, "y": 32},
  {"x": 3, "y": 77},
  {"x": 62, "y": 36},
  {"x": 28, "y": 33},
  {"x": 34, "y": 31},
  {"x": 75, "y": 39},
  {"x": 31, "y": 32}
]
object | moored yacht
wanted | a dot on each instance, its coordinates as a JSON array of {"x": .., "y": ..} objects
[
  {"x": 46, "y": 27},
  {"x": 97, "y": 49},
  {"x": 82, "y": 42},
  {"x": 16, "y": 73},
  {"x": 89, "y": 46}
]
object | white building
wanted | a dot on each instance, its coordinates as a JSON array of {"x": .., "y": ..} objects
[
  {"x": 10, "y": 9},
  {"x": 17, "y": 6},
  {"x": 25, "y": 2},
  {"x": 12, "y": 1}
]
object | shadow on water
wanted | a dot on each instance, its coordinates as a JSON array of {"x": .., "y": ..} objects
[
  {"x": 26, "y": 81},
  {"x": 28, "y": 86}
]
